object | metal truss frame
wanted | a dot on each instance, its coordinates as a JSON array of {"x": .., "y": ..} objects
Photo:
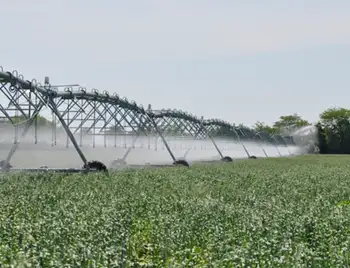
[{"x": 80, "y": 112}]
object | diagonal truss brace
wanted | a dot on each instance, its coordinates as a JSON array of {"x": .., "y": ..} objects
[
  {"x": 150, "y": 117},
  {"x": 46, "y": 100},
  {"x": 261, "y": 144},
  {"x": 54, "y": 109},
  {"x": 201, "y": 129},
  {"x": 239, "y": 141}
]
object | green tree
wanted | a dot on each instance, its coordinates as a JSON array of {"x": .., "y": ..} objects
[
  {"x": 332, "y": 117},
  {"x": 41, "y": 121},
  {"x": 335, "y": 124},
  {"x": 288, "y": 123},
  {"x": 262, "y": 127}
]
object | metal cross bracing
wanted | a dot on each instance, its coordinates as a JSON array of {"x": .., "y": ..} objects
[
  {"x": 79, "y": 118},
  {"x": 97, "y": 114}
]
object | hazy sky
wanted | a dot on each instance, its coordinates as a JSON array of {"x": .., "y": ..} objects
[{"x": 240, "y": 61}]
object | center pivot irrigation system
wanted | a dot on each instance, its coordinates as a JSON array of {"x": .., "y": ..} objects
[{"x": 77, "y": 112}]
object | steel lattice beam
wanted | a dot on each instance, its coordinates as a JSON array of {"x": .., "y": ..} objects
[{"x": 77, "y": 113}]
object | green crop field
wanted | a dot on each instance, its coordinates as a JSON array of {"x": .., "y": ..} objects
[{"x": 288, "y": 212}]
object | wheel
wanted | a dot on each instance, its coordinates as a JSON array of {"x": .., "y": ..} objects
[
  {"x": 181, "y": 162},
  {"x": 2, "y": 165},
  {"x": 99, "y": 166},
  {"x": 227, "y": 159}
]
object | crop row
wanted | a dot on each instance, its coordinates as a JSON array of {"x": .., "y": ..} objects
[{"x": 271, "y": 212}]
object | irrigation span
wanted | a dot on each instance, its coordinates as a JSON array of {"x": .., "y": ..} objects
[{"x": 91, "y": 130}]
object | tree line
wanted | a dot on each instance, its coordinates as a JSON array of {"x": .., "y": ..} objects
[
  {"x": 330, "y": 135},
  {"x": 20, "y": 119}
]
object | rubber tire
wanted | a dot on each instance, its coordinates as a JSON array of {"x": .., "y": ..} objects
[
  {"x": 227, "y": 159},
  {"x": 2, "y": 163},
  {"x": 96, "y": 165},
  {"x": 181, "y": 162}
]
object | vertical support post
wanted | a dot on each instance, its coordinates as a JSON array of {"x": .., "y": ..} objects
[
  {"x": 155, "y": 143},
  {"x": 124, "y": 136},
  {"x": 94, "y": 126},
  {"x": 104, "y": 131},
  {"x": 67, "y": 138},
  {"x": 36, "y": 123},
  {"x": 149, "y": 131},
  {"x": 82, "y": 127},
  {"x": 15, "y": 138},
  {"x": 54, "y": 129}
]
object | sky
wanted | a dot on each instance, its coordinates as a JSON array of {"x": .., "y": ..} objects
[{"x": 239, "y": 61}]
